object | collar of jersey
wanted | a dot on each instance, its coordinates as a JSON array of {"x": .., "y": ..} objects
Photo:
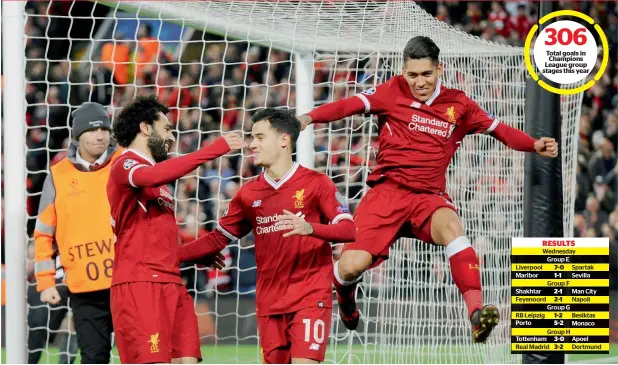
[
  {"x": 288, "y": 175},
  {"x": 150, "y": 160},
  {"x": 436, "y": 92}
]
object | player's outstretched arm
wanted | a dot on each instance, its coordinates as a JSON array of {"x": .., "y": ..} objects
[
  {"x": 173, "y": 169},
  {"x": 375, "y": 100},
  {"x": 232, "y": 226},
  {"x": 205, "y": 248},
  {"x": 478, "y": 120},
  {"x": 521, "y": 141},
  {"x": 333, "y": 111}
]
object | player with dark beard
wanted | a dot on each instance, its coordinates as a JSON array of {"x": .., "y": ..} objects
[{"x": 152, "y": 312}]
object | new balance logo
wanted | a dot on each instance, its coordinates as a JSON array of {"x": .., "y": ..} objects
[
  {"x": 314, "y": 346},
  {"x": 416, "y": 104},
  {"x": 256, "y": 203}
]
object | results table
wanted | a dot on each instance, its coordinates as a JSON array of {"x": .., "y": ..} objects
[{"x": 560, "y": 295}]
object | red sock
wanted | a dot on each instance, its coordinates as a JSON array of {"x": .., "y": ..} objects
[{"x": 466, "y": 273}]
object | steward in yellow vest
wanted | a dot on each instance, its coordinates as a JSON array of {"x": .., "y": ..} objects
[{"x": 74, "y": 223}]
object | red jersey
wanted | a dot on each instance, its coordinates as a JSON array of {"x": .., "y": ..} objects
[
  {"x": 144, "y": 223},
  {"x": 418, "y": 140},
  {"x": 293, "y": 272}
]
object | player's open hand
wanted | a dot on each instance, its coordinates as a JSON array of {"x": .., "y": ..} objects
[
  {"x": 235, "y": 140},
  {"x": 295, "y": 223},
  {"x": 50, "y": 295},
  {"x": 305, "y": 120},
  {"x": 546, "y": 147}
]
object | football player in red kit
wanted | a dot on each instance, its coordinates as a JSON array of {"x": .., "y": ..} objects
[
  {"x": 294, "y": 213},
  {"x": 152, "y": 313},
  {"x": 421, "y": 123}
]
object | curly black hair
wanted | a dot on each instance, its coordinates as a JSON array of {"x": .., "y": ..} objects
[{"x": 142, "y": 109}]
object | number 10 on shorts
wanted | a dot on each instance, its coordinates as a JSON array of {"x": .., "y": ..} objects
[{"x": 319, "y": 330}]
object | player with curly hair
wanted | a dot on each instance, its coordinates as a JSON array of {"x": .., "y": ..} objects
[{"x": 152, "y": 312}]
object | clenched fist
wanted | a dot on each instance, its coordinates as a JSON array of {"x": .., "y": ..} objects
[
  {"x": 546, "y": 147},
  {"x": 50, "y": 295}
]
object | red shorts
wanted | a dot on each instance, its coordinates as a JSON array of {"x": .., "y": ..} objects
[
  {"x": 389, "y": 212},
  {"x": 301, "y": 335},
  {"x": 154, "y": 322}
]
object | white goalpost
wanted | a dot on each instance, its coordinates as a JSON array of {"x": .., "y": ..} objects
[
  {"x": 13, "y": 128},
  {"x": 230, "y": 58}
]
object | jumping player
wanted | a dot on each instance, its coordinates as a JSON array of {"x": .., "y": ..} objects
[{"x": 421, "y": 124}]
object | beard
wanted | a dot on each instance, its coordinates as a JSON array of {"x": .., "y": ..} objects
[{"x": 156, "y": 143}]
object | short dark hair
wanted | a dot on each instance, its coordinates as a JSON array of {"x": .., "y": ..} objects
[
  {"x": 421, "y": 47},
  {"x": 142, "y": 109},
  {"x": 281, "y": 120}
]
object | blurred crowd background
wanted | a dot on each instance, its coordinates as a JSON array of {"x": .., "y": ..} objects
[{"x": 213, "y": 86}]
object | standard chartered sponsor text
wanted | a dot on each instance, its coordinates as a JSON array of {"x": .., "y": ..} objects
[
  {"x": 431, "y": 126},
  {"x": 271, "y": 220}
]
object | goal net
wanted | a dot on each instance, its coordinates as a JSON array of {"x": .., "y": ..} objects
[{"x": 216, "y": 62}]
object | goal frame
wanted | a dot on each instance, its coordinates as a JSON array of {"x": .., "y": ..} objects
[{"x": 14, "y": 103}]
